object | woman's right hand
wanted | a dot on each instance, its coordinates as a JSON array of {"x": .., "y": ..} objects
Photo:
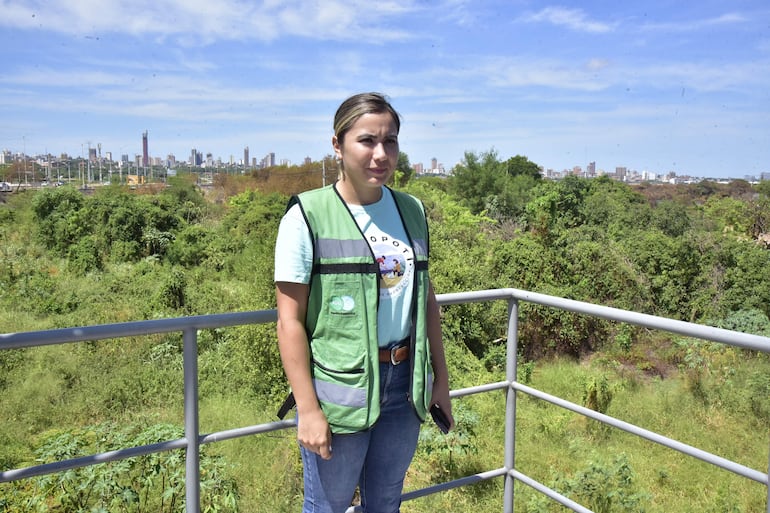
[{"x": 314, "y": 434}]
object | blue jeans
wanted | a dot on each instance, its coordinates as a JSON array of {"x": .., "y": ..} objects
[{"x": 376, "y": 459}]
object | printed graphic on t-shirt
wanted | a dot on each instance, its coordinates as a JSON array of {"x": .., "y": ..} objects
[{"x": 396, "y": 261}]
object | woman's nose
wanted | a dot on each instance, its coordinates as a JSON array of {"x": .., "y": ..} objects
[{"x": 379, "y": 152}]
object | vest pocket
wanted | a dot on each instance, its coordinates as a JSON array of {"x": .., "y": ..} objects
[
  {"x": 343, "y": 303},
  {"x": 339, "y": 370},
  {"x": 343, "y": 394}
]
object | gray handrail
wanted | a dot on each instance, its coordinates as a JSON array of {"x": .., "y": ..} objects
[{"x": 189, "y": 327}]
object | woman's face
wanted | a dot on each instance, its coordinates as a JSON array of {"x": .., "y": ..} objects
[{"x": 369, "y": 154}]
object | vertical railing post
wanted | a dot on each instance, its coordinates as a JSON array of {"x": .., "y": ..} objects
[
  {"x": 191, "y": 429},
  {"x": 510, "y": 403},
  {"x": 768, "y": 484}
]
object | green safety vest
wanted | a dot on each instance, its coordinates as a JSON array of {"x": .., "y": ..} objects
[{"x": 341, "y": 320}]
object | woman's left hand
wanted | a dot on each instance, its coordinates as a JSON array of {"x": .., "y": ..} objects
[{"x": 441, "y": 398}]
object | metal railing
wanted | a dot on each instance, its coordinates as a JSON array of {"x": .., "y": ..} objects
[{"x": 193, "y": 439}]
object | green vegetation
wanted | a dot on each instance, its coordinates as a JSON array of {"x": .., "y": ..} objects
[{"x": 686, "y": 252}]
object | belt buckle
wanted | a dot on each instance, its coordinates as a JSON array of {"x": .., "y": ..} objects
[{"x": 393, "y": 355}]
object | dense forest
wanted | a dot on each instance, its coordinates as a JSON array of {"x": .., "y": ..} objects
[{"x": 698, "y": 252}]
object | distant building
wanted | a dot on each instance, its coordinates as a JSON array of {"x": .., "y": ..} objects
[
  {"x": 196, "y": 157},
  {"x": 268, "y": 161},
  {"x": 145, "y": 154},
  {"x": 246, "y": 157}
]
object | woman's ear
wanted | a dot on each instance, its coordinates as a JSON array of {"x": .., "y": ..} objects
[{"x": 337, "y": 147}]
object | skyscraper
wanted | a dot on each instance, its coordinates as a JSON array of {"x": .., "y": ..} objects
[
  {"x": 246, "y": 157},
  {"x": 145, "y": 156}
]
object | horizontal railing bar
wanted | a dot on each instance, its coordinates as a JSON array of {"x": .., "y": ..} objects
[
  {"x": 441, "y": 487},
  {"x": 475, "y": 296},
  {"x": 246, "y": 431},
  {"x": 229, "y": 434},
  {"x": 553, "y": 494},
  {"x": 456, "y": 483},
  {"x": 291, "y": 423},
  {"x": 732, "y": 338},
  {"x": 102, "y": 457},
  {"x": 143, "y": 450},
  {"x": 478, "y": 389},
  {"x": 708, "y": 457},
  {"x": 132, "y": 329},
  {"x": 119, "y": 330}
]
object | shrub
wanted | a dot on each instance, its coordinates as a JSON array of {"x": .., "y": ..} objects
[
  {"x": 154, "y": 482},
  {"x": 603, "y": 487}
]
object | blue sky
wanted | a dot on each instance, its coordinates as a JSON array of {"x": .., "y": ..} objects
[{"x": 657, "y": 85}]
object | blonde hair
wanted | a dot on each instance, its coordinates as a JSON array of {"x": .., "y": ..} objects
[{"x": 356, "y": 106}]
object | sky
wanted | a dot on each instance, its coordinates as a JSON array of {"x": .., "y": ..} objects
[{"x": 658, "y": 86}]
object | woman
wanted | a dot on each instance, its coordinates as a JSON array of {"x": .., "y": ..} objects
[{"x": 362, "y": 350}]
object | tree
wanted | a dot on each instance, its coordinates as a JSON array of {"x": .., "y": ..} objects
[
  {"x": 21, "y": 172},
  {"x": 56, "y": 212},
  {"x": 500, "y": 189},
  {"x": 558, "y": 205},
  {"x": 615, "y": 207},
  {"x": 763, "y": 188},
  {"x": 404, "y": 167},
  {"x": 475, "y": 179},
  {"x": 522, "y": 166}
]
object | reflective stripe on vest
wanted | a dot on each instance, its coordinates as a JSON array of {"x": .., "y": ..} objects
[{"x": 340, "y": 394}]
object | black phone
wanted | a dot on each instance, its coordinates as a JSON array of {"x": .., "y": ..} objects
[{"x": 439, "y": 418}]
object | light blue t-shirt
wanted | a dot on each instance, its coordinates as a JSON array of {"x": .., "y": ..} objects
[{"x": 385, "y": 233}]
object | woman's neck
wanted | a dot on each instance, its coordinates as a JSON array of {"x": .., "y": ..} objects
[{"x": 353, "y": 196}]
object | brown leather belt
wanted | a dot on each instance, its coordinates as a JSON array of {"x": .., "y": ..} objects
[{"x": 395, "y": 355}]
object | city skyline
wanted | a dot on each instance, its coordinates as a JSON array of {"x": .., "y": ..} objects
[
  {"x": 205, "y": 160},
  {"x": 654, "y": 88}
]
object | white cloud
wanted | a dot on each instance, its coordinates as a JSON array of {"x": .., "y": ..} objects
[
  {"x": 203, "y": 21},
  {"x": 574, "y": 19},
  {"x": 694, "y": 25}
]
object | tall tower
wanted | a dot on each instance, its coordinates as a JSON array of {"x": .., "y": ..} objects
[
  {"x": 246, "y": 157},
  {"x": 145, "y": 156}
]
